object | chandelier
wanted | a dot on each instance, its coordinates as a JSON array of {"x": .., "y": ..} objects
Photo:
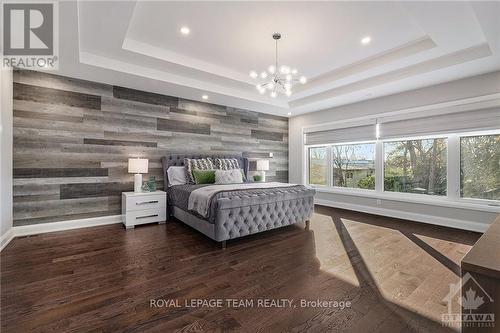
[{"x": 277, "y": 79}]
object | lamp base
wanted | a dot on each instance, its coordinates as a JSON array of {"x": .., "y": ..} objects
[
  {"x": 263, "y": 174},
  {"x": 138, "y": 182}
]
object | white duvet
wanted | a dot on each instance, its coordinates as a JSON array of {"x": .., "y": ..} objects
[{"x": 199, "y": 199}]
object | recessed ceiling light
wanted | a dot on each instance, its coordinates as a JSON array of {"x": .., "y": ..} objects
[
  {"x": 289, "y": 114},
  {"x": 185, "y": 31},
  {"x": 366, "y": 40},
  {"x": 204, "y": 96}
]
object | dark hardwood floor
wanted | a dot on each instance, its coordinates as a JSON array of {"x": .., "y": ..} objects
[{"x": 102, "y": 279}]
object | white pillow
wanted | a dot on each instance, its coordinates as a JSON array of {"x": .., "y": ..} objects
[
  {"x": 176, "y": 175},
  {"x": 233, "y": 176}
]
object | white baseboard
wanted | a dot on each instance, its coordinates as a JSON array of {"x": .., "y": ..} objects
[
  {"x": 6, "y": 238},
  {"x": 35, "y": 229},
  {"x": 431, "y": 219}
]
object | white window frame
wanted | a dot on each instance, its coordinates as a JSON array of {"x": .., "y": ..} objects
[{"x": 452, "y": 198}]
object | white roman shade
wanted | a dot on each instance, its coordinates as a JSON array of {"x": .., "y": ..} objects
[
  {"x": 472, "y": 120},
  {"x": 353, "y": 132}
]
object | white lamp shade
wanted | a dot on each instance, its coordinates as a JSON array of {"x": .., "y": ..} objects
[
  {"x": 138, "y": 165},
  {"x": 262, "y": 165}
]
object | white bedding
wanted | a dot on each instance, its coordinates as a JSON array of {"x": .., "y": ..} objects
[{"x": 199, "y": 199}]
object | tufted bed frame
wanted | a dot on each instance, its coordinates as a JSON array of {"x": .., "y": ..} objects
[{"x": 242, "y": 215}]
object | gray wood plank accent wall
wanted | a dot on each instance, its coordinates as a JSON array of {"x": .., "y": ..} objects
[{"x": 73, "y": 138}]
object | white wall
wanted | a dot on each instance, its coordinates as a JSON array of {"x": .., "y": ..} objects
[
  {"x": 5, "y": 156},
  {"x": 476, "y": 86}
]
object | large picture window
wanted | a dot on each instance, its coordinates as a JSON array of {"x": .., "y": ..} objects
[
  {"x": 416, "y": 166},
  {"x": 480, "y": 167},
  {"x": 353, "y": 165},
  {"x": 318, "y": 166},
  {"x": 462, "y": 167}
]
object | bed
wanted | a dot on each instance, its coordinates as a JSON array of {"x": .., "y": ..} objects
[{"x": 232, "y": 213}]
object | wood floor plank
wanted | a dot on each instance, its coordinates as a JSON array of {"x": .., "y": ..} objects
[{"x": 395, "y": 274}]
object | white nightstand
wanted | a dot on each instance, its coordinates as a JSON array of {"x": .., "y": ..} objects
[{"x": 143, "y": 207}]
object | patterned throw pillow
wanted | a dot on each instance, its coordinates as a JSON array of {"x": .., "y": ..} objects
[
  {"x": 199, "y": 164},
  {"x": 227, "y": 163}
]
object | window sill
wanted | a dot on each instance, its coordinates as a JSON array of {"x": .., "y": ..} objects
[{"x": 413, "y": 198}]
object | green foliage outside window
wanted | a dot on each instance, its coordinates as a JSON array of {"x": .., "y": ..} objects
[
  {"x": 318, "y": 166},
  {"x": 354, "y": 165},
  {"x": 367, "y": 183},
  {"x": 416, "y": 166},
  {"x": 480, "y": 167}
]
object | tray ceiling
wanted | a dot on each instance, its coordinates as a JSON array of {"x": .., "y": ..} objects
[{"x": 413, "y": 44}]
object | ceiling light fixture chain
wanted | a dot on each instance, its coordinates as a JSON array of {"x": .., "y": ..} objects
[
  {"x": 281, "y": 79},
  {"x": 276, "y": 37}
]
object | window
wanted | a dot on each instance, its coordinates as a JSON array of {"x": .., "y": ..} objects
[
  {"x": 353, "y": 165},
  {"x": 480, "y": 167},
  {"x": 461, "y": 167},
  {"x": 416, "y": 166},
  {"x": 318, "y": 166}
]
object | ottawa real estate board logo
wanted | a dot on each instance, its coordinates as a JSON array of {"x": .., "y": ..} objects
[
  {"x": 30, "y": 37},
  {"x": 473, "y": 306}
]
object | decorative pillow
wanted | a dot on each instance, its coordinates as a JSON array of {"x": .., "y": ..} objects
[
  {"x": 176, "y": 175},
  {"x": 204, "y": 176},
  {"x": 233, "y": 176},
  {"x": 243, "y": 175},
  {"x": 199, "y": 164},
  {"x": 226, "y": 163}
]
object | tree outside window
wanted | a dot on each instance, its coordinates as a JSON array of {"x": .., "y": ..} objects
[
  {"x": 354, "y": 165},
  {"x": 318, "y": 166},
  {"x": 416, "y": 166},
  {"x": 480, "y": 167}
]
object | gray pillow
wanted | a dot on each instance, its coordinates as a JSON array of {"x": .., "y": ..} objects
[
  {"x": 176, "y": 175},
  {"x": 233, "y": 176}
]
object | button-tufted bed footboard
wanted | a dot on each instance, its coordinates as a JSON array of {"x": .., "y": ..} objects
[{"x": 245, "y": 215}]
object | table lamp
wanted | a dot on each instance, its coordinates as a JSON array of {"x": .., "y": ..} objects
[
  {"x": 137, "y": 166},
  {"x": 262, "y": 166}
]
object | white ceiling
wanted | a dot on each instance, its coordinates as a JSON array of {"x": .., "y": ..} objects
[{"x": 414, "y": 44}]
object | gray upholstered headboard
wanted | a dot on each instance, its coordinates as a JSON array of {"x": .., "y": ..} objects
[{"x": 178, "y": 160}]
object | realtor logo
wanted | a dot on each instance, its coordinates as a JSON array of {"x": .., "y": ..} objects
[
  {"x": 30, "y": 35},
  {"x": 28, "y": 29},
  {"x": 472, "y": 300}
]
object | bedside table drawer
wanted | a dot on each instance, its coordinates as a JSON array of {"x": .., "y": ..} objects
[
  {"x": 143, "y": 202},
  {"x": 145, "y": 216}
]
